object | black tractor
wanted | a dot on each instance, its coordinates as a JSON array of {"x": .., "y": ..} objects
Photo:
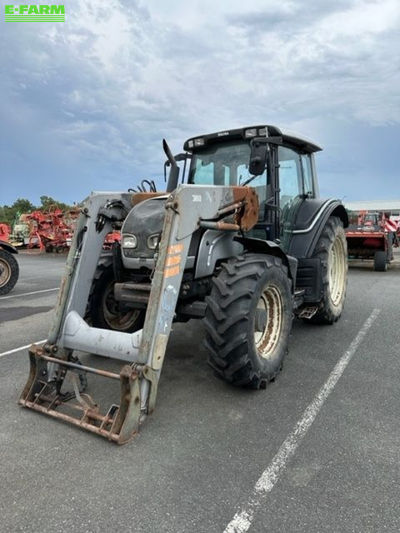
[
  {"x": 243, "y": 242},
  {"x": 246, "y": 285}
]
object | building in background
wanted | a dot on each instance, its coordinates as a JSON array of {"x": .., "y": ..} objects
[{"x": 380, "y": 206}]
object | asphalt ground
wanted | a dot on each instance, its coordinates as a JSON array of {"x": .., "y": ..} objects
[{"x": 197, "y": 460}]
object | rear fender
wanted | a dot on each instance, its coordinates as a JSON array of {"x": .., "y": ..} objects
[{"x": 311, "y": 219}]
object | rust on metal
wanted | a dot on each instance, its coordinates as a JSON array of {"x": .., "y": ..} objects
[
  {"x": 139, "y": 197},
  {"x": 220, "y": 225},
  {"x": 83, "y": 368},
  {"x": 246, "y": 217},
  {"x": 120, "y": 423}
]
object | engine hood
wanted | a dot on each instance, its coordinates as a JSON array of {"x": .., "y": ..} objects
[{"x": 144, "y": 220}]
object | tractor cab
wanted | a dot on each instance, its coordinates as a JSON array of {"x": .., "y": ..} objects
[{"x": 278, "y": 165}]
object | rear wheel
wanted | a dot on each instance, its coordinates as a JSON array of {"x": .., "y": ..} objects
[
  {"x": 248, "y": 320},
  {"x": 103, "y": 310},
  {"x": 9, "y": 272},
  {"x": 332, "y": 250},
  {"x": 380, "y": 261}
]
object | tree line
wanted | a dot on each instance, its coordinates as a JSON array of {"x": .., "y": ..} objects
[{"x": 9, "y": 214}]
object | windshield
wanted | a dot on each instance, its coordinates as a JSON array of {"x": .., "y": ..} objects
[{"x": 224, "y": 164}]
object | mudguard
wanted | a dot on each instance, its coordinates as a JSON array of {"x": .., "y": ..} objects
[
  {"x": 270, "y": 248},
  {"x": 311, "y": 218},
  {"x": 8, "y": 247}
]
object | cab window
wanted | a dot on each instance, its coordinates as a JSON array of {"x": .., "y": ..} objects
[
  {"x": 307, "y": 174},
  {"x": 290, "y": 175}
]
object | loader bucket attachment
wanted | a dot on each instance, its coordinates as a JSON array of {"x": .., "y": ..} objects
[{"x": 119, "y": 423}]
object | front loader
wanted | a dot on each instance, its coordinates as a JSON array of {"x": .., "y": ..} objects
[{"x": 243, "y": 243}]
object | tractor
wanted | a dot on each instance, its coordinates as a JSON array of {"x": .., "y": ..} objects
[
  {"x": 240, "y": 239},
  {"x": 368, "y": 238}
]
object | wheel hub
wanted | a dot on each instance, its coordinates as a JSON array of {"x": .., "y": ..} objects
[
  {"x": 337, "y": 271},
  {"x": 268, "y": 321},
  {"x": 115, "y": 318},
  {"x": 5, "y": 272}
]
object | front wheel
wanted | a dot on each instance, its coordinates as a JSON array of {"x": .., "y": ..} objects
[
  {"x": 331, "y": 248},
  {"x": 9, "y": 272},
  {"x": 248, "y": 320},
  {"x": 103, "y": 310}
]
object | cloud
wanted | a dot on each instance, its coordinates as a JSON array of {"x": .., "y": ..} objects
[{"x": 86, "y": 103}]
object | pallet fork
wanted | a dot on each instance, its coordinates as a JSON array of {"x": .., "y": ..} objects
[{"x": 187, "y": 208}]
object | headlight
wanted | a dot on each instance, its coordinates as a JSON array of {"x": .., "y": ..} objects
[
  {"x": 129, "y": 241},
  {"x": 153, "y": 240}
]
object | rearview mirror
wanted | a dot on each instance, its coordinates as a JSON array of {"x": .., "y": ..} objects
[{"x": 258, "y": 156}]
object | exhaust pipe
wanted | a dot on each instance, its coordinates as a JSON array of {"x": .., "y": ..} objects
[{"x": 174, "y": 172}]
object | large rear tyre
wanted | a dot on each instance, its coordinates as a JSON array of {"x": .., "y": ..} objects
[
  {"x": 331, "y": 248},
  {"x": 380, "y": 261},
  {"x": 103, "y": 310},
  {"x": 9, "y": 272},
  {"x": 248, "y": 320}
]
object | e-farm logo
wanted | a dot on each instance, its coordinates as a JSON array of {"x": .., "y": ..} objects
[{"x": 35, "y": 13}]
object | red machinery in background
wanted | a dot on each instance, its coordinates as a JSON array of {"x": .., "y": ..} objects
[
  {"x": 48, "y": 230},
  {"x": 5, "y": 231},
  {"x": 53, "y": 230},
  {"x": 370, "y": 235}
]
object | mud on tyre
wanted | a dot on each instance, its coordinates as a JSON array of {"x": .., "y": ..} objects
[{"x": 248, "y": 320}]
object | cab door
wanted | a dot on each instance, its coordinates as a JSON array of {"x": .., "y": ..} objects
[{"x": 295, "y": 185}]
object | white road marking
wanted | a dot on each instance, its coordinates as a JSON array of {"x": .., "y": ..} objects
[
  {"x": 243, "y": 519},
  {"x": 21, "y": 348},
  {"x": 28, "y": 293}
]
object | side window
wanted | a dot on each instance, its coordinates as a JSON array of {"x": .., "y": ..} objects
[
  {"x": 290, "y": 178},
  {"x": 307, "y": 173}
]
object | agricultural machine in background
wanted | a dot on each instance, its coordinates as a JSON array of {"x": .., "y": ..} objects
[
  {"x": 371, "y": 235},
  {"x": 9, "y": 269},
  {"x": 50, "y": 230},
  {"x": 244, "y": 242}
]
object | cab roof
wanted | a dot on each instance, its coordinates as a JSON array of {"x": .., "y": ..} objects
[{"x": 247, "y": 133}]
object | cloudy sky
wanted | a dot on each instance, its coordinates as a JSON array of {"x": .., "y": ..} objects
[{"x": 84, "y": 104}]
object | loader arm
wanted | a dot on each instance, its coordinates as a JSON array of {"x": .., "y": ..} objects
[{"x": 187, "y": 208}]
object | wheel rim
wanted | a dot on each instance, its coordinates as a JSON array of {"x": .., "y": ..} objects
[
  {"x": 5, "y": 272},
  {"x": 337, "y": 271},
  {"x": 114, "y": 318},
  {"x": 268, "y": 321}
]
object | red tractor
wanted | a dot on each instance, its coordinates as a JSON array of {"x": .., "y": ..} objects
[{"x": 368, "y": 238}]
